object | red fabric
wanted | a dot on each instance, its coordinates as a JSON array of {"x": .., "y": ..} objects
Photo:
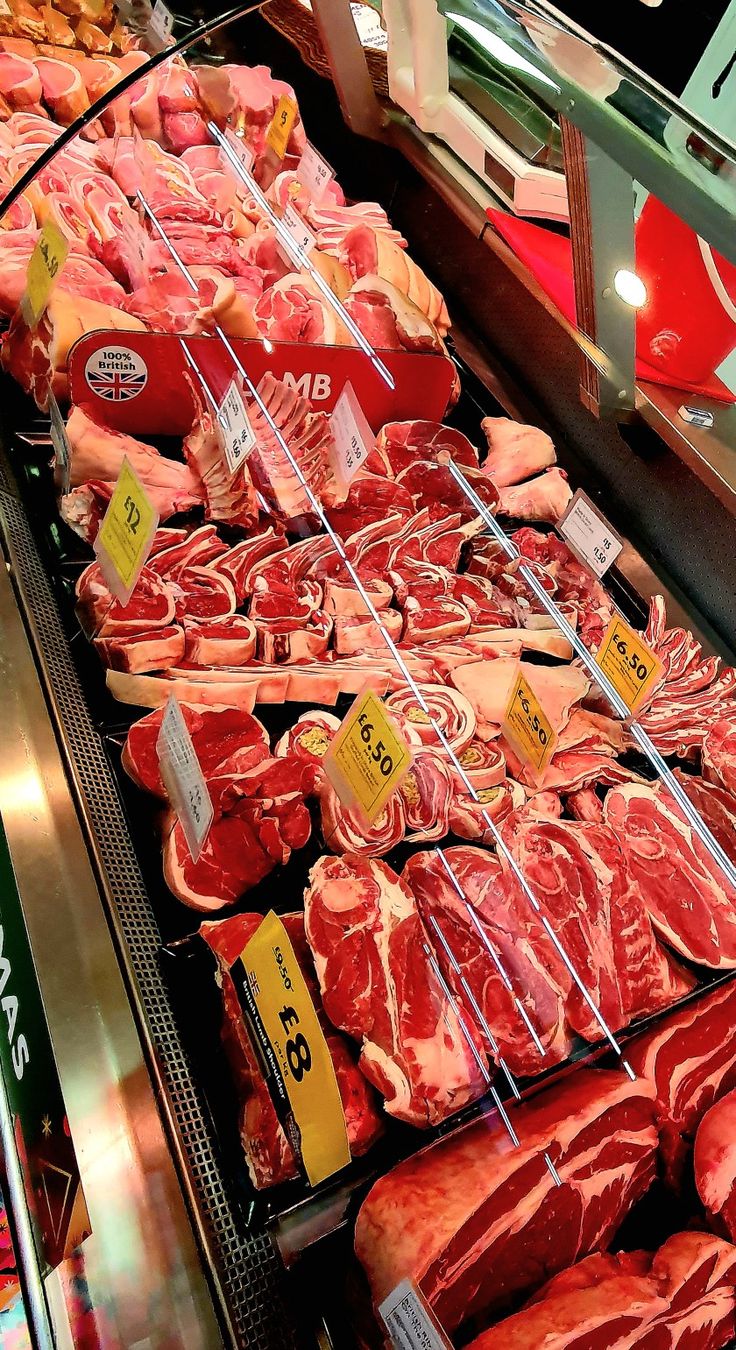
[{"x": 548, "y": 256}]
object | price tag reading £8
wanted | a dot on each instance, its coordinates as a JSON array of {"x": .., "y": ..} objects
[
  {"x": 299, "y": 1071},
  {"x": 589, "y": 534},
  {"x": 183, "y": 777},
  {"x": 629, "y": 663},
  {"x": 352, "y": 438},
  {"x": 238, "y": 437},
  {"x": 124, "y": 538},
  {"x": 314, "y": 173},
  {"x": 277, "y": 136},
  {"x": 45, "y": 264},
  {"x": 368, "y": 757},
  {"x": 527, "y": 725}
]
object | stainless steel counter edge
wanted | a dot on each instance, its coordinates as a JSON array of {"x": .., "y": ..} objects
[{"x": 148, "y": 1168}]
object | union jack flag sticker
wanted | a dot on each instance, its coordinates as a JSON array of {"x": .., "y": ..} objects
[{"x": 116, "y": 374}]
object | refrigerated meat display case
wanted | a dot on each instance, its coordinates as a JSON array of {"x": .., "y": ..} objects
[{"x": 368, "y": 904}]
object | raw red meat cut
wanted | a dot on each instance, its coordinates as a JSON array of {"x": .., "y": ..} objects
[
  {"x": 400, "y": 444},
  {"x": 260, "y": 816},
  {"x": 310, "y": 738},
  {"x": 476, "y": 1222},
  {"x": 515, "y": 451},
  {"x": 219, "y": 735},
  {"x": 368, "y": 252},
  {"x": 150, "y": 606},
  {"x": 715, "y": 805},
  {"x": 377, "y": 985},
  {"x": 236, "y": 564},
  {"x": 388, "y": 318},
  {"x": 154, "y": 649},
  {"x": 689, "y": 900},
  {"x": 98, "y": 453},
  {"x": 344, "y": 831},
  {"x": 487, "y": 686},
  {"x": 371, "y": 499},
  {"x": 544, "y": 498},
  {"x": 447, "y": 709},
  {"x": 714, "y": 1160},
  {"x": 229, "y": 640},
  {"x": 430, "y": 482},
  {"x": 64, "y": 91},
  {"x": 690, "y": 1059},
  {"x": 229, "y": 497},
  {"x": 426, "y": 793},
  {"x": 268, "y": 1153},
  {"x": 202, "y": 593},
  {"x": 308, "y": 437},
  {"x": 680, "y": 1298},
  {"x": 719, "y": 753}
]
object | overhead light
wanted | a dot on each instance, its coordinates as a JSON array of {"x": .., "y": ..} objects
[{"x": 630, "y": 288}]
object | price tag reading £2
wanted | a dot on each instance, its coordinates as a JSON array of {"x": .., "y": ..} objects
[
  {"x": 277, "y": 136},
  {"x": 124, "y": 538},
  {"x": 238, "y": 437},
  {"x": 299, "y": 1071},
  {"x": 368, "y": 757},
  {"x": 629, "y": 663},
  {"x": 181, "y": 772},
  {"x": 527, "y": 726},
  {"x": 589, "y": 534},
  {"x": 45, "y": 264},
  {"x": 352, "y": 438}
]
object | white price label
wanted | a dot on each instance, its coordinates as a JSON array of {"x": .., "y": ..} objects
[
  {"x": 370, "y": 29},
  {"x": 314, "y": 173},
  {"x": 5, "y": 10},
  {"x": 241, "y": 149},
  {"x": 410, "y": 1322},
  {"x": 238, "y": 437},
  {"x": 300, "y": 233},
  {"x": 590, "y": 534},
  {"x": 60, "y": 442},
  {"x": 160, "y": 27},
  {"x": 183, "y": 777},
  {"x": 352, "y": 438}
]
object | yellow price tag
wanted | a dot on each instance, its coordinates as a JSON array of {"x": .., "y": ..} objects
[
  {"x": 368, "y": 757},
  {"x": 124, "y": 538},
  {"x": 46, "y": 262},
  {"x": 277, "y": 136},
  {"x": 527, "y": 725},
  {"x": 299, "y": 1069},
  {"x": 629, "y": 663}
]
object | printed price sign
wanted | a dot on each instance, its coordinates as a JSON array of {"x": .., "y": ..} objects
[
  {"x": 236, "y": 432},
  {"x": 60, "y": 442},
  {"x": 124, "y": 538},
  {"x": 46, "y": 262},
  {"x": 314, "y": 173},
  {"x": 240, "y": 148},
  {"x": 368, "y": 757},
  {"x": 527, "y": 725},
  {"x": 300, "y": 233},
  {"x": 410, "y": 1322},
  {"x": 183, "y": 777},
  {"x": 630, "y": 665},
  {"x": 589, "y": 534},
  {"x": 277, "y": 136},
  {"x": 160, "y": 27},
  {"x": 299, "y": 1069},
  {"x": 352, "y": 438}
]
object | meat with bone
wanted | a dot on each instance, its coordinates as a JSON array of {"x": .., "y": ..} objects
[
  {"x": 227, "y": 640},
  {"x": 229, "y": 497},
  {"x": 295, "y": 310},
  {"x": 574, "y": 583},
  {"x": 193, "y": 548},
  {"x": 37, "y": 357},
  {"x": 377, "y": 985},
  {"x": 515, "y": 452},
  {"x": 97, "y": 453},
  {"x": 388, "y": 318},
  {"x": 367, "y": 252},
  {"x": 719, "y": 753},
  {"x": 431, "y": 483},
  {"x": 150, "y": 606},
  {"x": 260, "y": 817},
  {"x": 268, "y": 1153},
  {"x": 544, "y": 498},
  {"x": 689, "y": 899},
  {"x": 399, "y": 444},
  {"x": 693, "y": 694},
  {"x": 219, "y": 736},
  {"x": 714, "y": 1160},
  {"x": 370, "y": 499},
  {"x": 470, "y": 812},
  {"x": 714, "y": 804},
  {"x": 487, "y": 687},
  {"x": 202, "y": 593},
  {"x": 681, "y": 1298},
  {"x": 477, "y": 1222},
  {"x": 152, "y": 649},
  {"x": 689, "y": 1057},
  {"x": 238, "y": 561},
  {"x": 308, "y": 437}
]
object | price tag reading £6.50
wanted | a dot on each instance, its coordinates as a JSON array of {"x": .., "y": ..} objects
[
  {"x": 629, "y": 663},
  {"x": 277, "y": 136},
  {"x": 589, "y": 534},
  {"x": 238, "y": 437},
  {"x": 124, "y": 538},
  {"x": 527, "y": 725},
  {"x": 352, "y": 438},
  {"x": 46, "y": 262},
  {"x": 368, "y": 757},
  {"x": 299, "y": 1071},
  {"x": 183, "y": 777}
]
